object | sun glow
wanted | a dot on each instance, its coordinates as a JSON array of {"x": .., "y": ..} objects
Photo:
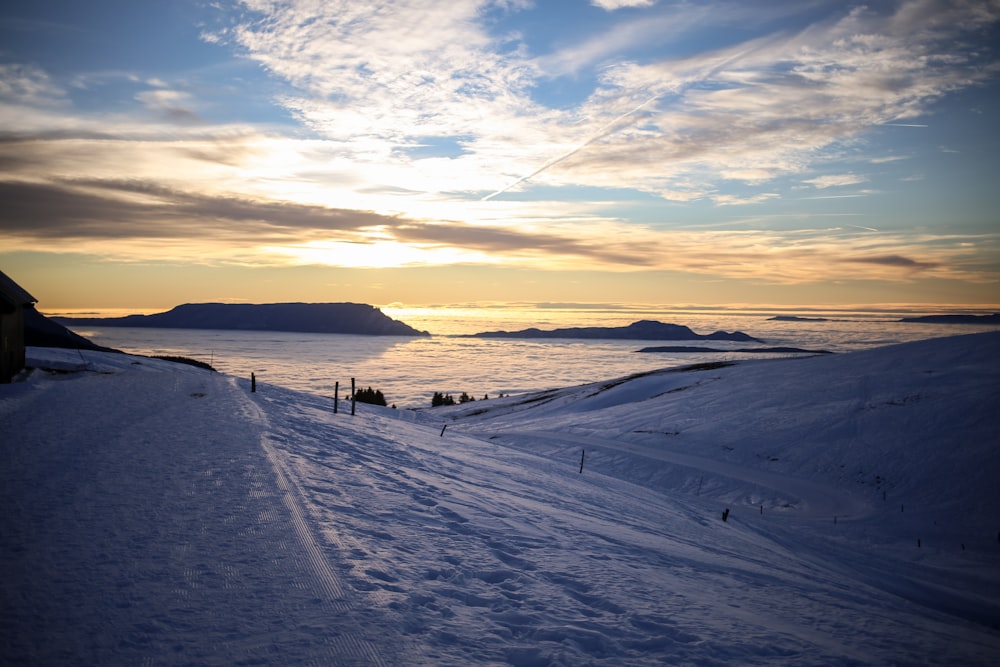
[{"x": 378, "y": 254}]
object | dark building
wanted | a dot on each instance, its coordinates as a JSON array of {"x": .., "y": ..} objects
[{"x": 14, "y": 301}]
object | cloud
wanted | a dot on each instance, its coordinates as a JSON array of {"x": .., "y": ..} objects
[
  {"x": 174, "y": 105},
  {"x": 778, "y": 104},
  {"x": 408, "y": 69},
  {"x": 539, "y": 245},
  {"x": 109, "y": 210},
  {"x": 612, "y": 5},
  {"x": 379, "y": 78},
  {"x": 835, "y": 180},
  {"x": 28, "y": 85},
  {"x": 735, "y": 200},
  {"x": 141, "y": 221},
  {"x": 885, "y": 159},
  {"x": 620, "y": 39},
  {"x": 907, "y": 263}
]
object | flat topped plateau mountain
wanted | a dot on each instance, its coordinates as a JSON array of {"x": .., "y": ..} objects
[
  {"x": 641, "y": 330},
  {"x": 342, "y": 318}
]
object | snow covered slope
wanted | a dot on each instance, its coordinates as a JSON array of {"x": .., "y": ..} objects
[{"x": 159, "y": 514}]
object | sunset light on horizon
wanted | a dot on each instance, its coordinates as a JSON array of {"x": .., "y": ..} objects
[{"x": 422, "y": 153}]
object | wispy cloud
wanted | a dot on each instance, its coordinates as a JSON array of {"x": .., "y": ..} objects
[
  {"x": 736, "y": 200},
  {"x": 28, "y": 85},
  {"x": 174, "y": 105},
  {"x": 779, "y": 104},
  {"x": 612, "y": 5},
  {"x": 376, "y": 80},
  {"x": 835, "y": 180},
  {"x": 387, "y": 72},
  {"x": 613, "y": 44}
]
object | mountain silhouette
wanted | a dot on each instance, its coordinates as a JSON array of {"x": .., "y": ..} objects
[
  {"x": 641, "y": 330},
  {"x": 342, "y": 318}
]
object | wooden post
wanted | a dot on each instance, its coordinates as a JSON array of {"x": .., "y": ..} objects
[
  {"x": 442, "y": 430},
  {"x": 352, "y": 397},
  {"x": 725, "y": 515},
  {"x": 336, "y": 396},
  {"x": 582, "y": 452},
  {"x": 253, "y": 383}
]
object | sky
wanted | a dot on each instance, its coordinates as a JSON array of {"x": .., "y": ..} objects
[{"x": 471, "y": 152}]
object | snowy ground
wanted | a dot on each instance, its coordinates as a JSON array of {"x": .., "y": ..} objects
[{"x": 156, "y": 514}]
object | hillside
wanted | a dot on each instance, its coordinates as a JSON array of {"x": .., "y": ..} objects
[
  {"x": 342, "y": 318},
  {"x": 158, "y": 514}
]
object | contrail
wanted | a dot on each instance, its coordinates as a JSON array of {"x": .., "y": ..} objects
[
  {"x": 604, "y": 130},
  {"x": 607, "y": 127}
]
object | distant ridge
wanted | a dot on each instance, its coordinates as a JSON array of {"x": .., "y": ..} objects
[
  {"x": 641, "y": 330},
  {"x": 342, "y": 318},
  {"x": 955, "y": 319},
  {"x": 764, "y": 350}
]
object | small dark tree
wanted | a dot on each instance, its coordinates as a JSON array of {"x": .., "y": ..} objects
[
  {"x": 465, "y": 398},
  {"x": 370, "y": 396},
  {"x": 441, "y": 399}
]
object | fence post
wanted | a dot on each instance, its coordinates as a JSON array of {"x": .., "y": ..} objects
[
  {"x": 352, "y": 397},
  {"x": 582, "y": 452},
  {"x": 253, "y": 383},
  {"x": 336, "y": 396}
]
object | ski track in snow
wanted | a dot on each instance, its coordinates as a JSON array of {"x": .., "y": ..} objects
[
  {"x": 171, "y": 517},
  {"x": 354, "y": 645}
]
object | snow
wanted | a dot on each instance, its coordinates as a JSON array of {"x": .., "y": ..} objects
[{"x": 158, "y": 514}]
